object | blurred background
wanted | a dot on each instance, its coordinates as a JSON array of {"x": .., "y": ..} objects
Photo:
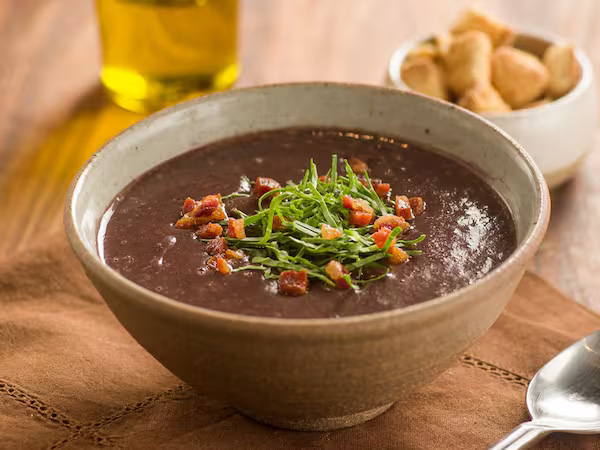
[{"x": 54, "y": 115}]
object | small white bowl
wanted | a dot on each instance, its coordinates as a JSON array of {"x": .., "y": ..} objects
[{"x": 557, "y": 135}]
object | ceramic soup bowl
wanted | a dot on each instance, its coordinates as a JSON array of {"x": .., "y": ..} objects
[{"x": 308, "y": 374}]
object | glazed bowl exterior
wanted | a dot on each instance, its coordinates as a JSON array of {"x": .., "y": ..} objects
[
  {"x": 557, "y": 135},
  {"x": 310, "y": 374}
]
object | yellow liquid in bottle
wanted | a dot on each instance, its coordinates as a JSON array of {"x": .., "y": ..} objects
[{"x": 158, "y": 52}]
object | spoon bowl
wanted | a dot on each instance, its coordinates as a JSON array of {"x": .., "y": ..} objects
[
  {"x": 566, "y": 390},
  {"x": 563, "y": 396}
]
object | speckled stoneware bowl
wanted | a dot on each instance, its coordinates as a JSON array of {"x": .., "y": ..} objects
[
  {"x": 557, "y": 135},
  {"x": 308, "y": 374}
]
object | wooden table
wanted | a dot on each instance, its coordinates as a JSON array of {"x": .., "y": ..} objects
[{"x": 53, "y": 115}]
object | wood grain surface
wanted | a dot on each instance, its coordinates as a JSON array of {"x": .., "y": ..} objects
[{"x": 53, "y": 114}]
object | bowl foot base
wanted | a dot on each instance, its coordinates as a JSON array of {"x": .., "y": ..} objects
[{"x": 319, "y": 423}]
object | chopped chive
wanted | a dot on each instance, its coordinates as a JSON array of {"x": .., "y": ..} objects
[
  {"x": 235, "y": 195},
  {"x": 365, "y": 261},
  {"x": 302, "y": 209},
  {"x": 388, "y": 242}
]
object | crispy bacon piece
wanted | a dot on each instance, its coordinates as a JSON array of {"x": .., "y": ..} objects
[
  {"x": 356, "y": 204},
  {"x": 348, "y": 202},
  {"x": 217, "y": 246},
  {"x": 188, "y": 205},
  {"x": 403, "y": 207},
  {"x": 362, "y": 206},
  {"x": 417, "y": 205},
  {"x": 397, "y": 255},
  {"x": 232, "y": 254},
  {"x": 209, "y": 231},
  {"x": 207, "y": 205},
  {"x": 264, "y": 185},
  {"x": 235, "y": 228},
  {"x": 336, "y": 272},
  {"x": 357, "y": 164},
  {"x": 209, "y": 209},
  {"x": 185, "y": 222},
  {"x": 390, "y": 221},
  {"x": 382, "y": 189},
  {"x": 380, "y": 237},
  {"x": 223, "y": 266},
  {"x": 360, "y": 219},
  {"x": 328, "y": 232},
  {"x": 293, "y": 282},
  {"x": 278, "y": 224}
]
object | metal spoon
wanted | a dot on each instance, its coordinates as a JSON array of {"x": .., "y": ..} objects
[{"x": 563, "y": 396}]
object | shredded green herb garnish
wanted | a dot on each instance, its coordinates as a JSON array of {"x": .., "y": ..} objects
[{"x": 296, "y": 242}]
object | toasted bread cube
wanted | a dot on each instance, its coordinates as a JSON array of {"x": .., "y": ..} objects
[
  {"x": 483, "y": 98},
  {"x": 426, "y": 49},
  {"x": 564, "y": 70},
  {"x": 474, "y": 20},
  {"x": 519, "y": 77},
  {"x": 423, "y": 75},
  {"x": 467, "y": 62}
]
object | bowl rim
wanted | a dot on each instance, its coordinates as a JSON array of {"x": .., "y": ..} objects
[
  {"x": 92, "y": 262},
  {"x": 585, "y": 80}
]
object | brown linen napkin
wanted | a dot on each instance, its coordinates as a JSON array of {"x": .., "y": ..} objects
[{"x": 71, "y": 377}]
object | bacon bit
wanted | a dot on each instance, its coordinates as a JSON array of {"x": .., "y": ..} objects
[
  {"x": 382, "y": 189},
  {"x": 293, "y": 282},
  {"x": 403, "y": 207},
  {"x": 278, "y": 224},
  {"x": 360, "y": 219},
  {"x": 188, "y": 205},
  {"x": 329, "y": 232},
  {"x": 217, "y": 214},
  {"x": 209, "y": 209},
  {"x": 323, "y": 178},
  {"x": 356, "y": 204},
  {"x": 211, "y": 263},
  {"x": 390, "y": 221},
  {"x": 380, "y": 237},
  {"x": 235, "y": 228},
  {"x": 264, "y": 185},
  {"x": 417, "y": 205},
  {"x": 207, "y": 205},
  {"x": 209, "y": 231},
  {"x": 232, "y": 254},
  {"x": 336, "y": 272},
  {"x": 185, "y": 222},
  {"x": 362, "y": 206},
  {"x": 397, "y": 255},
  {"x": 357, "y": 164},
  {"x": 223, "y": 266},
  {"x": 348, "y": 202},
  {"x": 217, "y": 246}
]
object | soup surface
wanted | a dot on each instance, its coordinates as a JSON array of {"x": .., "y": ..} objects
[{"x": 468, "y": 228}]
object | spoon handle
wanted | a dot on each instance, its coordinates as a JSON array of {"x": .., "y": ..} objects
[{"x": 522, "y": 437}]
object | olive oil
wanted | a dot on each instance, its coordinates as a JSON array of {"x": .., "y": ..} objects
[{"x": 158, "y": 52}]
